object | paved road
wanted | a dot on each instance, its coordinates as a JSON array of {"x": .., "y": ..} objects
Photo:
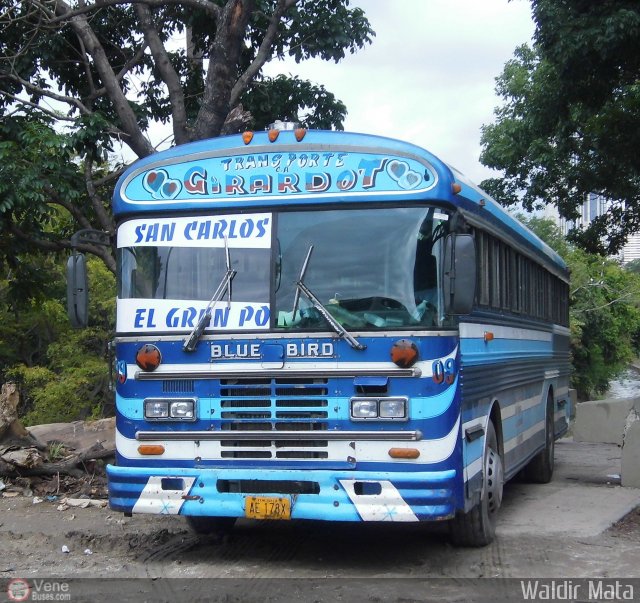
[{"x": 583, "y": 499}]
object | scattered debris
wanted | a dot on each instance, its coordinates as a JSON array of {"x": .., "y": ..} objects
[
  {"x": 88, "y": 552},
  {"x": 27, "y": 458},
  {"x": 65, "y": 549},
  {"x": 47, "y": 461},
  {"x": 83, "y": 503},
  {"x": 37, "y": 500}
]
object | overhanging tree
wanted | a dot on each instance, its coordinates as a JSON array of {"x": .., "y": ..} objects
[
  {"x": 79, "y": 78},
  {"x": 570, "y": 122}
]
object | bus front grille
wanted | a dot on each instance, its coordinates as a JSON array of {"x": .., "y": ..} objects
[{"x": 278, "y": 405}]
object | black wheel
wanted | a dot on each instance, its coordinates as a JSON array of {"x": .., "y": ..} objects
[
  {"x": 211, "y": 526},
  {"x": 540, "y": 468},
  {"x": 478, "y": 526}
]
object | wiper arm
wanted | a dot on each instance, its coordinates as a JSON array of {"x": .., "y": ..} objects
[
  {"x": 317, "y": 304},
  {"x": 191, "y": 343}
]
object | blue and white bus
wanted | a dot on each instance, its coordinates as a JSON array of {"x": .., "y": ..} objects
[{"x": 329, "y": 326}]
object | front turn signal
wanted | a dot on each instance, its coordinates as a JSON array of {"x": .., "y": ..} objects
[{"x": 148, "y": 357}]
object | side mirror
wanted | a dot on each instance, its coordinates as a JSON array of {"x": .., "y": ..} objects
[
  {"x": 77, "y": 291},
  {"x": 459, "y": 273}
]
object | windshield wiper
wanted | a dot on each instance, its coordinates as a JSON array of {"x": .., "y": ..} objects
[
  {"x": 317, "y": 304},
  {"x": 191, "y": 343}
]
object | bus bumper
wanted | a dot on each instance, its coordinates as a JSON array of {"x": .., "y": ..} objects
[{"x": 321, "y": 495}]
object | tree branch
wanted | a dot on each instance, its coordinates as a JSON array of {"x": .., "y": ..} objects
[
  {"x": 106, "y": 223},
  {"x": 45, "y": 245},
  {"x": 69, "y": 100},
  {"x": 68, "y": 466},
  {"x": 264, "y": 52},
  {"x": 225, "y": 55},
  {"x": 27, "y": 103},
  {"x": 134, "y": 136},
  {"x": 167, "y": 73},
  {"x": 206, "y": 5}
]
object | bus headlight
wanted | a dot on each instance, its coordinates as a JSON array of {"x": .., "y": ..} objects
[
  {"x": 393, "y": 408},
  {"x": 364, "y": 409},
  {"x": 156, "y": 409},
  {"x": 161, "y": 409},
  {"x": 381, "y": 409},
  {"x": 182, "y": 410}
]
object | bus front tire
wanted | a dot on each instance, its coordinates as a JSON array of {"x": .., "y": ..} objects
[
  {"x": 211, "y": 526},
  {"x": 478, "y": 527}
]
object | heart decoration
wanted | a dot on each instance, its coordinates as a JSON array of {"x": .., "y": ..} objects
[
  {"x": 170, "y": 189},
  {"x": 158, "y": 184},
  {"x": 397, "y": 169},
  {"x": 152, "y": 181},
  {"x": 413, "y": 179},
  {"x": 403, "y": 174}
]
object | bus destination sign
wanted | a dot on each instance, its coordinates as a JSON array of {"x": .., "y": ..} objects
[{"x": 277, "y": 175}]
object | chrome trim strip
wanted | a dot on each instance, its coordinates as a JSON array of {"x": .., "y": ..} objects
[
  {"x": 284, "y": 337},
  {"x": 294, "y": 372},
  {"x": 181, "y": 436}
]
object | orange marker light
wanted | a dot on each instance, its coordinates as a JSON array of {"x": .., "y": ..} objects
[
  {"x": 150, "y": 449},
  {"x": 404, "y": 353},
  {"x": 299, "y": 133},
  {"x": 404, "y": 453},
  {"x": 488, "y": 336},
  {"x": 148, "y": 357},
  {"x": 273, "y": 135},
  {"x": 456, "y": 188},
  {"x": 247, "y": 137}
]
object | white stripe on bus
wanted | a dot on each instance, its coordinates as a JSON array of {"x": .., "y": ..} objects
[
  {"x": 470, "y": 330},
  {"x": 386, "y": 506}
]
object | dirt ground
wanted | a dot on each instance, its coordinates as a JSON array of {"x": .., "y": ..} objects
[{"x": 105, "y": 544}]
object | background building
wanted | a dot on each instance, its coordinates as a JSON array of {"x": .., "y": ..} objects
[{"x": 594, "y": 206}]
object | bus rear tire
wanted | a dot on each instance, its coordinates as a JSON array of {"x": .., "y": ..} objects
[
  {"x": 540, "y": 468},
  {"x": 478, "y": 527},
  {"x": 211, "y": 526}
]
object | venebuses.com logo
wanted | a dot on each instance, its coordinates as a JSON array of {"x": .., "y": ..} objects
[{"x": 20, "y": 589}]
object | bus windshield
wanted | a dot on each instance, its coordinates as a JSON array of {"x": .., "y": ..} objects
[{"x": 370, "y": 268}]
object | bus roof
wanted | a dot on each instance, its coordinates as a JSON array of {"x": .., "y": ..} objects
[{"x": 298, "y": 168}]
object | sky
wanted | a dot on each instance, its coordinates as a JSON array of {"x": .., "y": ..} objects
[{"x": 429, "y": 75}]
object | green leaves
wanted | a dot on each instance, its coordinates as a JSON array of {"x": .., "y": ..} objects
[
  {"x": 63, "y": 373},
  {"x": 571, "y": 117},
  {"x": 294, "y": 99},
  {"x": 604, "y": 312}
]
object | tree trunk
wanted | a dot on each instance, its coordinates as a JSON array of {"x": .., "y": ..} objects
[{"x": 13, "y": 433}]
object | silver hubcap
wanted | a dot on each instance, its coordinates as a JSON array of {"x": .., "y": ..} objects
[{"x": 493, "y": 481}]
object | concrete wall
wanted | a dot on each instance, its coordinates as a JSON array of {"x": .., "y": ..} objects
[
  {"x": 603, "y": 420},
  {"x": 613, "y": 422},
  {"x": 630, "y": 471}
]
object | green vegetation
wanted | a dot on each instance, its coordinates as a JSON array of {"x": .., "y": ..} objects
[
  {"x": 63, "y": 374},
  {"x": 570, "y": 120},
  {"x": 604, "y": 312}
]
